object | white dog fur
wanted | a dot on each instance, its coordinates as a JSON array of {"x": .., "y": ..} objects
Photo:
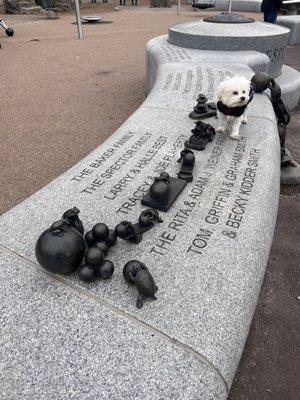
[{"x": 233, "y": 92}]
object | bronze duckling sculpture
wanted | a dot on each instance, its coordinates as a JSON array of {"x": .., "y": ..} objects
[
  {"x": 160, "y": 189},
  {"x": 136, "y": 272}
]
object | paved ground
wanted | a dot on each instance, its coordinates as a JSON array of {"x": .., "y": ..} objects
[{"x": 62, "y": 97}]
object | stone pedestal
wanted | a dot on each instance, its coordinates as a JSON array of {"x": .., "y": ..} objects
[
  {"x": 265, "y": 38},
  {"x": 293, "y": 23}
]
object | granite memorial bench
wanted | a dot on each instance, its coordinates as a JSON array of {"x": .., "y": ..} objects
[
  {"x": 62, "y": 338},
  {"x": 293, "y": 23}
]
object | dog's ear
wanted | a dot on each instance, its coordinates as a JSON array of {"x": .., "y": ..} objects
[{"x": 222, "y": 89}]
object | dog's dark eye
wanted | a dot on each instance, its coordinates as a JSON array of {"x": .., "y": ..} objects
[
  {"x": 235, "y": 93},
  {"x": 244, "y": 91}
]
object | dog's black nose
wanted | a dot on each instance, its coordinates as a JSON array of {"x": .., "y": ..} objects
[{"x": 243, "y": 98}]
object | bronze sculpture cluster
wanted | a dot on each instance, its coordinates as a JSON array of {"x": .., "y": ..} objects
[
  {"x": 201, "y": 135},
  {"x": 165, "y": 189},
  {"x": 62, "y": 249},
  {"x": 203, "y": 108},
  {"x": 187, "y": 160},
  {"x": 133, "y": 232},
  {"x": 163, "y": 192},
  {"x": 99, "y": 241}
]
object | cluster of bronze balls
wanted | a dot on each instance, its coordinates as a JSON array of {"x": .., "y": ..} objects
[{"x": 63, "y": 248}]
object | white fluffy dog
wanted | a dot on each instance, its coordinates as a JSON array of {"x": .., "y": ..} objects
[{"x": 234, "y": 95}]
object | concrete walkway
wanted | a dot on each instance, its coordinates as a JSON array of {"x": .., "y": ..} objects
[{"x": 61, "y": 93}]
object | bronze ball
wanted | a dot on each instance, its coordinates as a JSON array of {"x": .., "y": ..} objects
[{"x": 261, "y": 81}]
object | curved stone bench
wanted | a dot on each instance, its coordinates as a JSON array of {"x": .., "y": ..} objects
[
  {"x": 293, "y": 23},
  {"x": 62, "y": 337},
  {"x": 160, "y": 51}
]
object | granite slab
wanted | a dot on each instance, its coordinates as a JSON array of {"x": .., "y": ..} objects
[
  {"x": 161, "y": 56},
  {"x": 178, "y": 88},
  {"x": 206, "y": 277},
  {"x": 159, "y": 51},
  {"x": 59, "y": 343}
]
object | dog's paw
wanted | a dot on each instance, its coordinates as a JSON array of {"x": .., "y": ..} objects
[
  {"x": 220, "y": 129},
  {"x": 235, "y": 135}
]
